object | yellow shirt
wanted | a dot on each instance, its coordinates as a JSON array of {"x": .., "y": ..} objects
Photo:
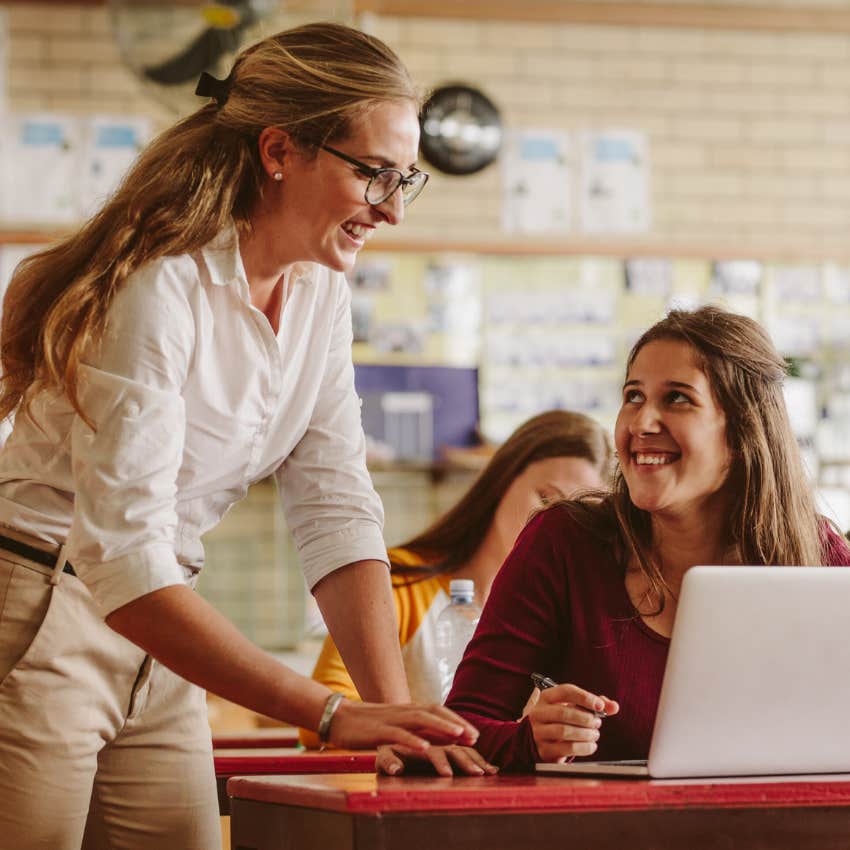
[{"x": 417, "y": 607}]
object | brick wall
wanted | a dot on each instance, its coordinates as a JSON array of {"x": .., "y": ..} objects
[{"x": 748, "y": 130}]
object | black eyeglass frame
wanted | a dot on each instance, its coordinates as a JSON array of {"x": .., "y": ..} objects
[{"x": 371, "y": 172}]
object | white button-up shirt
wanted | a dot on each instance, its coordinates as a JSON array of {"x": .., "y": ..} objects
[{"x": 194, "y": 398}]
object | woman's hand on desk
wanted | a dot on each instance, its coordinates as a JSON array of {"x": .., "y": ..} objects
[
  {"x": 362, "y": 725},
  {"x": 563, "y": 722},
  {"x": 445, "y": 760}
]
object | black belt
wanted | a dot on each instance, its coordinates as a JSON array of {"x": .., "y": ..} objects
[{"x": 33, "y": 554}]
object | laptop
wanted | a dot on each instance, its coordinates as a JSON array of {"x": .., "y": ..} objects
[{"x": 757, "y": 680}]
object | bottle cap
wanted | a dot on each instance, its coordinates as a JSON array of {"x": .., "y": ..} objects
[{"x": 462, "y": 587}]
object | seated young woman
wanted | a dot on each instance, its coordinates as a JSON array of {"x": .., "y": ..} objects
[
  {"x": 708, "y": 473},
  {"x": 548, "y": 458}
]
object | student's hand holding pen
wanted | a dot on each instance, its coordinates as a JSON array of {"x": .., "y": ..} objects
[{"x": 566, "y": 720}]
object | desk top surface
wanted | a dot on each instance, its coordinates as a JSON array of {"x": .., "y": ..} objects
[
  {"x": 367, "y": 793},
  {"x": 287, "y": 760}
]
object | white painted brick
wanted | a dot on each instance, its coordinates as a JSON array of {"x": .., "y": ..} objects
[
  {"x": 389, "y": 29},
  {"x": 45, "y": 18},
  {"x": 780, "y": 186},
  {"x": 110, "y": 79},
  {"x": 696, "y": 184},
  {"x": 596, "y": 39},
  {"x": 670, "y": 40},
  {"x": 97, "y": 21},
  {"x": 708, "y": 128},
  {"x": 671, "y": 154},
  {"x": 557, "y": 65},
  {"x": 483, "y": 62},
  {"x": 816, "y": 215},
  {"x": 420, "y": 61},
  {"x": 672, "y": 97},
  {"x": 834, "y": 75},
  {"x": 513, "y": 35},
  {"x": 745, "y": 156},
  {"x": 818, "y": 46},
  {"x": 635, "y": 68},
  {"x": 816, "y": 159},
  {"x": 579, "y": 96},
  {"x": 714, "y": 72},
  {"x": 435, "y": 32},
  {"x": 83, "y": 51},
  {"x": 521, "y": 92},
  {"x": 835, "y": 187},
  {"x": 40, "y": 78},
  {"x": 835, "y": 131},
  {"x": 816, "y": 103},
  {"x": 781, "y": 131},
  {"x": 27, "y": 48},
  {"x": 743, "y": 44},
  {"x": 27, "y": 101},
  {"x": 797, "y": 74},
  {"x": 742, "y": 100}
]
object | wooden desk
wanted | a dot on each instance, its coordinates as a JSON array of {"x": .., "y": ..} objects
[
  {"x": 285, "y": 760},
  {"x": 266, "y": 736},
  {"x": 362, "y": 812}
]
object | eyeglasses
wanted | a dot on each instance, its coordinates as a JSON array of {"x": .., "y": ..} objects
[{"x": 384, "y": 181}]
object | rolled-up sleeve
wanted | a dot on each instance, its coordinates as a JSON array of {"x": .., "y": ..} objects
[
  {"x": 121, "y": 539},
  {"x": 332, "y": 509}
]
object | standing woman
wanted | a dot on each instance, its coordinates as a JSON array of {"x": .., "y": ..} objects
[{"x": 193, "y": 338}]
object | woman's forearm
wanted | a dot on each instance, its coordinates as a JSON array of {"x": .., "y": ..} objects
[
  {"x": 357, "y": 604},
  {"x": 185, "y": 633}
]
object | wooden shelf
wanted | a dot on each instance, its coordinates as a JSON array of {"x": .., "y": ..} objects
[
  {"x": 566, "y": 246},
  {"x": 702, "y": 16},
  {"x": 741, "y": 17}
]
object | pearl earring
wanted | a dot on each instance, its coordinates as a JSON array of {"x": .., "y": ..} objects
[{"x": 278, "y": 175}]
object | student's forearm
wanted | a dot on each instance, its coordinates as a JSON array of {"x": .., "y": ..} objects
[
  {"x": 185, "y": 633},
  {"x": 357, "y": 604}
]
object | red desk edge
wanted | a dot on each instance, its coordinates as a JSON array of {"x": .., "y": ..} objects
[
  {"x": 371, "y": 794},
  {"x": 229, "y": 762}
]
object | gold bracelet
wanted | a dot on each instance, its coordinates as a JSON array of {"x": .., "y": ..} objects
[{"x": 331, "y": 706}]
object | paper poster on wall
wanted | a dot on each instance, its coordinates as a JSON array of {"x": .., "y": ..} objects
[
  {"x": 614, "y": 182},
  {"x": 41, "y": 164},
  {"x": 536, "y": 182},
  {"x": 110, "y": 146}
]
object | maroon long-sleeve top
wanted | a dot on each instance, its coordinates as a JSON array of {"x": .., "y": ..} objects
[{"x": 559, "y": 606}]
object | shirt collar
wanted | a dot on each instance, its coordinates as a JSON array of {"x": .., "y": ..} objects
[
  {"x": 225, "y": 266},
  {"x": 223, "y": 259}
]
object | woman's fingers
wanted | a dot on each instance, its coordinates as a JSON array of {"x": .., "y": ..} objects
[
  {"x": 445, "y": 760},
  {"x": 567, "y": 714},
  {"x": 388, "y": 762},
  {"x": 568, "y": 693},
  {"x": 565, "y": 750},
  {"x": 364, "y": 725}
]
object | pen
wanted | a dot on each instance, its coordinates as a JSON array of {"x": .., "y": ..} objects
[{"x": 542, "y": 682}]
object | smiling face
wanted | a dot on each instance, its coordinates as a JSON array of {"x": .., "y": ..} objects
[
  {"x": 671, "y": 433},
  {"x": 319, "y": 206}
]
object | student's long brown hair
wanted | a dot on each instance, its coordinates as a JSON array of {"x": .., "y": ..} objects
[
  {"x": 454, "y": 538},
  {"x": 772, "y": 517},
  {"x": 186, "y": 186}
]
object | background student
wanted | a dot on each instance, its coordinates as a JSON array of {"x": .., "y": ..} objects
[
  {"x": 708, "y": 472},
  {"x": 546, "y": 459}
]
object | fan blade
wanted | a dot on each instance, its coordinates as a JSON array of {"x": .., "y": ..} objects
[{"x": 201, "y": 54}]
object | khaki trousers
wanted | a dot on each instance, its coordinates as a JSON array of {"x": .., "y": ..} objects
[{"x": 101, "y": 747}]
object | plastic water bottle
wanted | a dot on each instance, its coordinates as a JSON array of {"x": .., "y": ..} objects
[{"x": 455, "y": 626}]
